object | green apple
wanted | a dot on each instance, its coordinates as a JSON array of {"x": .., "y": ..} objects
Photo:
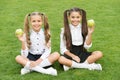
[
  {"x": 90, "y": 23},
  {"x": 19, "y": 32}
]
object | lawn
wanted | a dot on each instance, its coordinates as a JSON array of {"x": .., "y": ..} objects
[{"x": 105, "y": 37}]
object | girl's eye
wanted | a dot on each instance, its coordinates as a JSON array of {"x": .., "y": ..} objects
[
  {"x": 72, "y": 17},
  {"x": 39, "y": 20},
  {"x": 33, "y": 21}
]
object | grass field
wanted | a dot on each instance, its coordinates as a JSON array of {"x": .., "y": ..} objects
[{"x": 105, "y": 38}]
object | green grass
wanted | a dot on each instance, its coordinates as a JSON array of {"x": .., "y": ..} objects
[{"x": 105, "y": 38}]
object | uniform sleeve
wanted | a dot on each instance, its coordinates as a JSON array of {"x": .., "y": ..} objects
[
  {"x": 62, "y": 42},
  {"x": 87, "y": 46},
  {"x": 46, "y": 51},
  {"x": 25, "y": 51}
]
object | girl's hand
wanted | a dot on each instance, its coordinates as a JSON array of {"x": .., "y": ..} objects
[
  {"x": 76, "y": 58},
  {"x": 33, "y": 64},
  {"x": 21, "y": 38},
  {"x": 49, "y": 44},
  {"x": 91, "y": 30}
]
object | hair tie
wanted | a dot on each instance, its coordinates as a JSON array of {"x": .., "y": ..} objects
[
  {"x": 42, "y": 14},
  {"x": 68, "y": 12},
  {"x": 29, "y": 14}
]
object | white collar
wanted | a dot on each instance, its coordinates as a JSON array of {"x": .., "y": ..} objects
[
  {"x": 74, "y": 27},
  {"x": 40, "y": 31}
]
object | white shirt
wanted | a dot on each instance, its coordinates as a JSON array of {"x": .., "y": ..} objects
[
  {"x": 38, "y": 45},
  {"x": 77, "y": 39},
  {"x": 76, "y": 35}
]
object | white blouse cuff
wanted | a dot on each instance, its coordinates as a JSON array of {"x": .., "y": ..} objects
[
  {"x": 42, "y": 57},
  {"x": 63, "y": 51},
  {"x": 24, "y": 52},
  {"x": 87, "y": 46}
]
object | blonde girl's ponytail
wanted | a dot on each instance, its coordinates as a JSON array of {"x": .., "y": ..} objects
[
  {"x": 46, "y": 29},
  {"x": 27, "y": 29}
]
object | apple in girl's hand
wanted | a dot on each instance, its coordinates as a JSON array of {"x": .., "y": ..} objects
[
  {"x": 90, "y": 23},
  {"x": 19, "y": 32}
]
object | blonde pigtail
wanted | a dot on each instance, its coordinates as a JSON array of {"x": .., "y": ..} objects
[
  {"x": 46, "y": 29},
  {"x": 27, "y": 30}
]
